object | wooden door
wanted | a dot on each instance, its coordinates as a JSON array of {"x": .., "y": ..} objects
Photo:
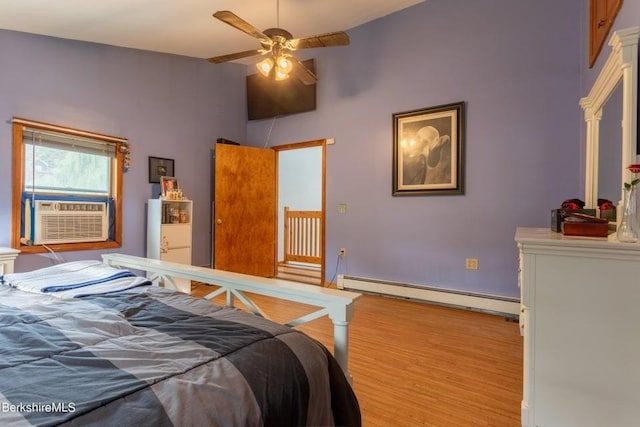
[
  {"x": 245, "y": 210},
  {"x": 602, "y": 13}
]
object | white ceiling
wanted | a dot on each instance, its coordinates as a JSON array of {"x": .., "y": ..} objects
[{"x": 186, "y": 27}]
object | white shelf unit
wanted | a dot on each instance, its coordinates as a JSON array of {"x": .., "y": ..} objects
[
  {"x": 579, "y": 319},
  {"x": 169, "y": 234}
]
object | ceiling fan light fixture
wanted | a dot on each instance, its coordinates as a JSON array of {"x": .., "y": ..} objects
[
  {"x": 265, "y": 66},
  {"x": 278, "y": 44},
  {"x": 281, "y": 75},
  {"x": 285, "y": 65}
]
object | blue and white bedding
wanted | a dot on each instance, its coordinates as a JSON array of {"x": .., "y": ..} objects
[
  {"x": 74, "y": 279},
  {"x": 148, "y": 356}
]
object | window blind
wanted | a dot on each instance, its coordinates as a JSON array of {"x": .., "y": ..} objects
[{"x": 67, "y": 142}]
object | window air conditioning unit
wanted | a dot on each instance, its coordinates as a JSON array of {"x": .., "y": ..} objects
[{"x": 70, "y": 222}]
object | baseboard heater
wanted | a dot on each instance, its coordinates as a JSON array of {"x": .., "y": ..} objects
[{"x": 475, "y": 301}]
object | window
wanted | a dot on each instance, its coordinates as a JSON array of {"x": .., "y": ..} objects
[
  {"x": 55, "y": 163},
  {"x": 67, "y": 188}
]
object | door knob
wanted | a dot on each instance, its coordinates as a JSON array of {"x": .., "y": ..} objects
[{"x": 219, "y": 221}]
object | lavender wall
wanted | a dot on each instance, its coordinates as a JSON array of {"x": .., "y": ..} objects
[
  {"x": 166, "y": 105},
  {"x": 517, "y": 66}
]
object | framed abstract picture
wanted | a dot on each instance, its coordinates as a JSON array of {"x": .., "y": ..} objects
[{"x": 428, "y": 151}]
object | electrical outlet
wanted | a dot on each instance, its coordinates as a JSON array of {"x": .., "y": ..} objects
[
  {"x": 342, "y": 252},
  {"x": 471, "y": 263}
]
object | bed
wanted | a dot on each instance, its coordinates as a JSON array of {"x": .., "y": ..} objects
[{"x": 107, "y": 347}]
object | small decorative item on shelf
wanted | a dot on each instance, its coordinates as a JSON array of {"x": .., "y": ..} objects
[
  {"x": 578, "y": 224},
  {"x": 567, "y": 207},
  {"x": 170, "y": 188},
  {"x": 572, "y": 204},
  {"x": 174, "y": 215},
  {"x": 607, "y": 209},
  {"x": 184, "y": 215},
  {"x": 628, "y": 228}
]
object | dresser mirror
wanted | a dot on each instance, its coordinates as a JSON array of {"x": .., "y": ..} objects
[
  {"x": 609, "y": 149},
  {"x": 610, "y": 113}
]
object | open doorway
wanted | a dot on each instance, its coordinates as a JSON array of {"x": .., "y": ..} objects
[
  {"x": 300, "y": 189},
  {"x": 245, "y": 232}
]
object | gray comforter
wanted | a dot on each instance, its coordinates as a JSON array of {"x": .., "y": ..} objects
[{"x": 153, "y": 357}]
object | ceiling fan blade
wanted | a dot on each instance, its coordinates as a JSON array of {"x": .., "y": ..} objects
[
  {"x": 236, "y": 22},
  {"x": 302, "y": 73},
  {"x": 234, "y": 56},
  {"x": 338, "y": 38}
]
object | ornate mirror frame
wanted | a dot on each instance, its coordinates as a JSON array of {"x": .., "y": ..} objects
[{"x": 621, "y": 66}]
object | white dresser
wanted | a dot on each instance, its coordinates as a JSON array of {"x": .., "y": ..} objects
[
  {"x": 580, "y": 320},
  {"x": 7, "y": 256}
]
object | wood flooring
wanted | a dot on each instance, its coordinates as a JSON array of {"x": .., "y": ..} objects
[{"x": 418, "y": 364}]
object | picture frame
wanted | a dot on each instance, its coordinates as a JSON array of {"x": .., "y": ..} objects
[
  {"x": 169, "y": 184},
  {"x": 159, "y": 167},
  {"x": 429, "y": 151}
]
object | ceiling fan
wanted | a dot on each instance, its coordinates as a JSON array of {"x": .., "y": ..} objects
[{"x": 278, "y": 45}]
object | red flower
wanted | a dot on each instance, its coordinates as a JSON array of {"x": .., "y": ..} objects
[
  {"x": 635, "y": 168},
  {"x": 570, "y": 205},
  {"x": 606, "y": 205}
]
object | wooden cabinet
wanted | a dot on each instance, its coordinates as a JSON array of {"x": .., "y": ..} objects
[
  {"x": 169, "y": 234},
  {"x": 579, "y": 305},
  {"x": 602, "y": 13}
]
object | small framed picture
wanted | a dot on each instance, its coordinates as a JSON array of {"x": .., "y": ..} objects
[
  {"x": 428, "y": 151},
  {"x": 169, "y": 186},
  {"x": 159, "y": 167}
]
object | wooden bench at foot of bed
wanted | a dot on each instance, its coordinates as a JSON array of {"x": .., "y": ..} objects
[{"x": 337, "y": 304}]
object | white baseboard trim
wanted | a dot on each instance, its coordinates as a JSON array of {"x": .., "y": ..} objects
[{"x": 469, "y": 300}]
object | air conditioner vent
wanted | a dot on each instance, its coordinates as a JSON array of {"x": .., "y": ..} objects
[{"x": 70, "y": 222}]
